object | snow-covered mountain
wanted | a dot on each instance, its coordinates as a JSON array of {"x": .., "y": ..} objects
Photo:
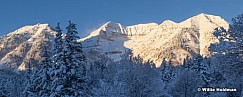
[
  {"x": 24, "y": 46},
  {"x": 150, "y": 41},
  {"x": 154, "y": 42}
]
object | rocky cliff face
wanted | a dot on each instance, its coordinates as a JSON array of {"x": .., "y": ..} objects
[
  {"x": 19, "y": 47},
  {"x": 150, "y": 41},
  {"x": 154, "y": 42}
]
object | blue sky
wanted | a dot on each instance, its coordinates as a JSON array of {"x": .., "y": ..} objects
[{"x": 90, "y": 14}]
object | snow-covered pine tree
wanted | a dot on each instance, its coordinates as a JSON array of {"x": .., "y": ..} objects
[
  {"x": 197, "y": 66},
  {"x": 59, "y": 76},
  {"x": 58, "y": 46},
  {"x": 28, "y": 70},
  {"x": 69, "y": 75},
  {"x": 228, "y": 53},
  {"x": 40, "y": 81},
  {"x": 3, "y": 92},
  {"x": 29, "y": 90},
  {"x": 57, "y": 72},
  {"x": 43, "y": 79},
  {"x": 236, "y": 51},
  {"x": 187, "y": 63},
  {"x": 76, "y": 61},
  {"x": 162, "y": 69},
  {"x": 184, "y": 85},
  {"x": 167, "y": 73},
  {"x": 73, "y": 45},
  {"x": 97, "y": 68},
  {"x": 205, "y": 74}
]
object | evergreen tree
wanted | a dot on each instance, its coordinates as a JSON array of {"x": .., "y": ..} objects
[
  {"x": 43, "y": 79},
  {"x": 3, "y": 92},
  {"x": 58, "y": 46},
  {"x": 187, "y": 63},
  {"x": 39, "y": 82},
  {"x": 184, "y": 85},
  {"x": 30, "y": 75},
  {"x": 197, "y": 66},
  {"x": 167, "y": 73},
  {"x": 229, "y": 51},
  {"x": 235, "y": 53},
  {"x": 76, "y": 59},
  {"x": 205, "y": 74},
  {"x": 69, "y": 75},
  {"x": 227, "y": 55},
  {"x": 57, "y": 71},
  {"x": 73, "y": 45}
]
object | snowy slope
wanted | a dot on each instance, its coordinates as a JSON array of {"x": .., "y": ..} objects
[
  {"x": 109, "y": 39},
  {"x": 154, "y": 42},
  {"x": 16, "y": 48}
]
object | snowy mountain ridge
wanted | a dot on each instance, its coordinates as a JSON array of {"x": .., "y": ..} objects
[
  {"x": 22, "y": 45},
  {"x": 150, "y": 41},
  {"x": 154, "y": 42}
]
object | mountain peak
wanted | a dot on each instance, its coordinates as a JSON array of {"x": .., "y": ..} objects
[
  {"x": 205, "y": 20},
  {"x": 23, "y": 44},
  {"x": 208, "y": 17},
  {"x": 202, "y": 14},
  {"x": 111, "y": 28},
  {"x": 168, "y": 23},
  {"x": 110, "y": 23},
  {"x": 29, "y": 29}
]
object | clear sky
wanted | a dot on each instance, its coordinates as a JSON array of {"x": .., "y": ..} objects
[{"x": 90, "y": 14}]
